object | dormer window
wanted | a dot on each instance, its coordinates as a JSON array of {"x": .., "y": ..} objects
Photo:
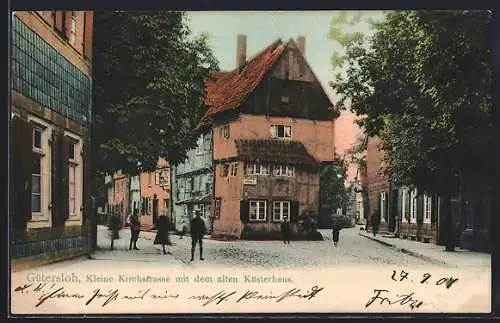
[{"x": 281, "y": 131}]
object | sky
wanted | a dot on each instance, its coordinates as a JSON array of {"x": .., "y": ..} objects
[{"x": 264, "y": 27}]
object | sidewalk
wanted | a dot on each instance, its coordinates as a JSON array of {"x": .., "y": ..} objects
[{"x": 434, "y": 253}]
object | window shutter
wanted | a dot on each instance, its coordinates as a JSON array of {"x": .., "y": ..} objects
[
  {"x": 27, "y": 167},
  {"x": 244, "y": 211},
  {"x": 294, "y": 211},
  {"x": 56, "y": 148},
  {"x": 408, "y": 203},
  {"x": 387, "y": 205},
  {"x": 420, "y": 209},
  {"x": 434, "y": 210},
  {"x": 64, "y": 193},
  {"x": 21, "y": 156},
  {"x": 379, "y": 202},
  {"x": 399, "y": 202}
]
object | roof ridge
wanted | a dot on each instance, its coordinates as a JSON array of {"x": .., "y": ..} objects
[{"x": 258, "y": 54}]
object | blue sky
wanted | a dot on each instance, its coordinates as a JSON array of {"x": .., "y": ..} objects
[{"x": 264, "y": 27}]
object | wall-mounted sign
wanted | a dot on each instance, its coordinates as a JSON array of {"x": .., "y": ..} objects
[{"x": 250, "y": 181}]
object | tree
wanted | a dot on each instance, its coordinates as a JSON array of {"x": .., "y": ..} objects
[
  {"x": 332, "y": 179},
  {"x": 148, "y": 84},
  {"x": 423, "y": 87}
]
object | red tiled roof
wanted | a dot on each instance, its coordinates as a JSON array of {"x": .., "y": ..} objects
[{"x": 228, "y": 90}]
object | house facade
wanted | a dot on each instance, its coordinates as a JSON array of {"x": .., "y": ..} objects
[
  {"x": 411, "y": 214},
  {"x": 192, "y": 183},
  {"x": 273, "y": 125},
  {"x": 118, "y": 202},
  {"x": 51, "y": 65},
  {"x": 155, "y": 194},
  {"x": 135, "y": 195}
]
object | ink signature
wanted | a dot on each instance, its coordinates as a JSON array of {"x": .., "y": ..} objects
[{"x": 382, "y": 296}]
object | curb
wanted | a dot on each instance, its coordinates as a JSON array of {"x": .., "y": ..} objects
[{"x": 406, "y": 251}]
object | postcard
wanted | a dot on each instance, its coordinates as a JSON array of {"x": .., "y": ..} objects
[{"x": 249, "y": 162}]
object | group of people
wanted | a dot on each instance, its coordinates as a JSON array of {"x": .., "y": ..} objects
[{"x": 198, "y": 230}]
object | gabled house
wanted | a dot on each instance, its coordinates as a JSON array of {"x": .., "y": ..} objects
[
  {"x": 272, "y": 125},
  {"x": 192, "y": 184}
]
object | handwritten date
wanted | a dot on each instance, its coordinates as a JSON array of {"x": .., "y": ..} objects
[{"x": 425, "y": 279}]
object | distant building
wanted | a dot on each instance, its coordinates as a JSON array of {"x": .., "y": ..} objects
[
  {"x": 155, "y": 194},
  {"x": 272, "y": 126},
  {"x": 51, "y": 77},
  {"x": 193, "y": 184}
]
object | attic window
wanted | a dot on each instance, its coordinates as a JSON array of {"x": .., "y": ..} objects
[{"x": 281, "y": 131}]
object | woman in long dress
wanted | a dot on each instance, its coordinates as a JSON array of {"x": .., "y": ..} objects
[
  {"x": 162, "y": 234},
  {"x": 114, "y": 228}
]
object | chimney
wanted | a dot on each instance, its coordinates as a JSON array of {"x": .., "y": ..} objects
[
  {"x": 301, "y": 44},
  {"x": 241, "y": 51}
]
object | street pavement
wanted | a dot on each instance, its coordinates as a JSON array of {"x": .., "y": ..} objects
[{"x": 353, "y": 249}]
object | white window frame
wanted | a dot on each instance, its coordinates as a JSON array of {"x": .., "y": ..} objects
[
  {"x": 256, "y": 205},
  {"x": 281, "y": 214},
  {"x": 45, "y": 170},
  {"x": 427, "y": 209},
  {"x": 404, "y": 207},
  {"x": 224, "y": 131},
  {"x": 285, "y": 171},
  {"x": 257, "y": 169},
  {"x": 383, "y": 201},
  {"x": 413, "y": 206},
  {"x": 287, "y": 131},
  {"x": 201, "y": 208},
  {"x": 200, "y": 145},
  {"x": 233, "y": 171},
  {"x": 77, "y": 163}
]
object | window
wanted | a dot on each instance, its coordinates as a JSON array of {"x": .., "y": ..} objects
[
  {"x": 224, "y": 131},
  {"x": 224, "y": 170},
  {"x": 36, "y": 184},
  {"x": 73, "y": 177},
  {"x": 258, "y": 210},
  {"x": 254, "y": 169},
  {"x": 383, "y": 209},
  {"x": 150, "y": 179},
  {"x": 281, "y": 209},
  {"x": 199, "y": 145},
  {"x": 234, "y": 169},
  {"x": 165, "y": 204},
  {"x": 404, "y": 205},
  {"x": 217, "y": 207},
  {"x": 281, "y": 131},
  {"x": 427, "y": 208},
  {"x": 201, "y": 208},
  {"x": 157, "y": 178},
  {"x": 189, "y": 185},
  {"x": 208, "y": 143},
  {"x": 413, "y": 206},
  {"x": 72, "y": 33},
  {"x": 281, "y": 170},
  {"x": 208, "y": 188},
  {"x": 40, "y": 175}
]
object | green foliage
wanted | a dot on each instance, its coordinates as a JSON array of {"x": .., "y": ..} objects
[
  {"x": 332, "y": 179},
  {"x": 148, "y": 89},
  {"x": 423, "y": 87}
]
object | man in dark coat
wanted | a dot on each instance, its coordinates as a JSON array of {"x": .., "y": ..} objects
[
  {"x": 375, "y": 219},
  {"x": 135, "y": 229},
  {"x": 336, "y": 232},
  {"x": 285, "y": 230},
  {"x": 114, "y": 228},
  {"x": 162, "y": 237},
  {"x": 198, "y": 230}
]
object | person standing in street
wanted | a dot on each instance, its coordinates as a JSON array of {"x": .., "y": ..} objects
[
  {"x": 285, "y": 230},
  {"x": 336, "y": 232},
  {"x": 135, "y": 229},
  {"x": 198, "y": 230},
  {"x": 114, "y": 228},
  {"x": 375, "y": 219},
  {"x": 162, "y": 236}
]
